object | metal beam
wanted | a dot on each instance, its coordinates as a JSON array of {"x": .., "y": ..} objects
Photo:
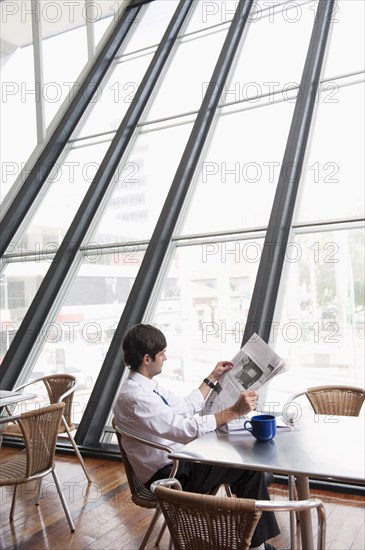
[{"x": 265, "y": 292}]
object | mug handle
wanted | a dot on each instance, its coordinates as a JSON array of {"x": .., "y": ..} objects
[{"x": 245, "y": 425}]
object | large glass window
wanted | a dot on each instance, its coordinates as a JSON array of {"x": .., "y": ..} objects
[{"x": 202, "y": 295}]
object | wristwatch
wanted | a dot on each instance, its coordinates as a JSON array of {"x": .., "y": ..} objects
[{"x": 209, "y": 383}]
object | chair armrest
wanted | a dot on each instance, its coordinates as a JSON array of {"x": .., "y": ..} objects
[
  {"x": 28, "y": 384},
  {"x": 59, "y": 400},
  {"x": 291, "y": 505},
  {"x": 142, "y": 440},
  {"x": 167, "y": 482},
  {"x": 68, "y": 392},
  {"x": 150, "y": 444}
]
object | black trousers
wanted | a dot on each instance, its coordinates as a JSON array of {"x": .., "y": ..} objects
[{"x": 202, "y": 478}]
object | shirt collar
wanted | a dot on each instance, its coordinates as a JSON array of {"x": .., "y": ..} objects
[{"x": 143, "y": 381}]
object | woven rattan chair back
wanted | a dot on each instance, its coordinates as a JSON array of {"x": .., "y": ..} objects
[
  {"x": 207, "y": 522},
  {"x": 57, "y": 385},
  {"x": 40, "y": 431},
  {"x": 337, "y": 400},
  {"x": 60, "y": 388},
  {"x": 139, "y": 492}
]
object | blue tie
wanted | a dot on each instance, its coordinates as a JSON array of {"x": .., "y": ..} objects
[{"x": 162, "y": 397}]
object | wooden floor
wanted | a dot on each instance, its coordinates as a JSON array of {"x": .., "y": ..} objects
[{"x": 105, "y": 518}]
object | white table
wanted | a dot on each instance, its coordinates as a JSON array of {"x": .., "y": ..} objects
[
  {"x": 13, "y": 397},
  {"x": 319, "y": 446}
]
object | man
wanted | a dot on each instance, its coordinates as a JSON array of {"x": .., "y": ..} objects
[{"x": 155, "y": 413}]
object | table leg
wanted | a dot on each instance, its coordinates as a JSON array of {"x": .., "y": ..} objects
[{"x": 306, "y": 516}]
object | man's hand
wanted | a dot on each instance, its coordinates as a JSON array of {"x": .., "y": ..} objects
[
  {"x": 246, "y": 403},
  {"x": 220, "y": 369}
]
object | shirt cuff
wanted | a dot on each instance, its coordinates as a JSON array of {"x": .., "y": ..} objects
[{"x": 207, "y": 423}]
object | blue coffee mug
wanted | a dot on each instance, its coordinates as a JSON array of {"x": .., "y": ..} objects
[{"x": 262, "y": 426}]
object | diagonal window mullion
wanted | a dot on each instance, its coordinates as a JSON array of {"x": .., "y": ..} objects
[{"x": 266, "y": 287}]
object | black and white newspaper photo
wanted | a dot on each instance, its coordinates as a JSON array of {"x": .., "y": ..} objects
[{"x": 254, "y": 365}]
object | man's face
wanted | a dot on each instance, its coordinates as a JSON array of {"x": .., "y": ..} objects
[{"x": 155, "y": 366}]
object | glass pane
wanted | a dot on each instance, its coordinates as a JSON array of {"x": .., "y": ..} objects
[
  {"x": 18, "y": 122},
  {"x": 105, "y": 14},
  {"x": 61, "y": 66},
  {"x": 113, "y": 98},
  {"x": 321, "y": 332},
  {"x": 262, "y": 71},
  {"x": 144, "y": 181},
  {"x": 19, "y": 284},
  {"x": 333, "y": 177},
  {"x": 151, "y": 23},
  {"x": 239, "y": 173},
  {"x": 69, "y": 184},
  {"x": 203, "y": 307},
  {"x": 345, "y": 55},
  {"x": 169, "y": 99},
  {"x": 210, "y": 14},
  {"x": 77, "y": 341}
]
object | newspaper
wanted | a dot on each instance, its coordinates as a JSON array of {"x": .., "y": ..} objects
[{"x": 254, "y": 365}]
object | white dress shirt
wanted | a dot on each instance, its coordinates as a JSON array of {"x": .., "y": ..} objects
[{"x": 142, "y": 411}]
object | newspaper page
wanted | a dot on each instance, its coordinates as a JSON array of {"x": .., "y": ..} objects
[{"x": 254, "y": 365}]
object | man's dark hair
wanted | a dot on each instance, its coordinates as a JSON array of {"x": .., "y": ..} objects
[{"x": 138, "y": 341}]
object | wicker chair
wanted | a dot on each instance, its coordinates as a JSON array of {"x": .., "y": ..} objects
[
  {"x": 39, "y": 429},
  {"x": 336, "y": 400},
  {"x": 140, "y": 494},
  {"x": 60, "y": 388},
  {"x": 207, "y": 522}
]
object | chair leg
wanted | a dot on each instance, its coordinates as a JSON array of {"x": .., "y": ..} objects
[
  {"x": 63, "y": 501},
  {"x": 160, "y": 535},
  {"x": 73, "y": 442},
  {"x": 292, "y": 515},
  {"x": 150, "y": 528},
  {"x": 38, "y": 491},
  {"x": 11, "y": 516}
]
